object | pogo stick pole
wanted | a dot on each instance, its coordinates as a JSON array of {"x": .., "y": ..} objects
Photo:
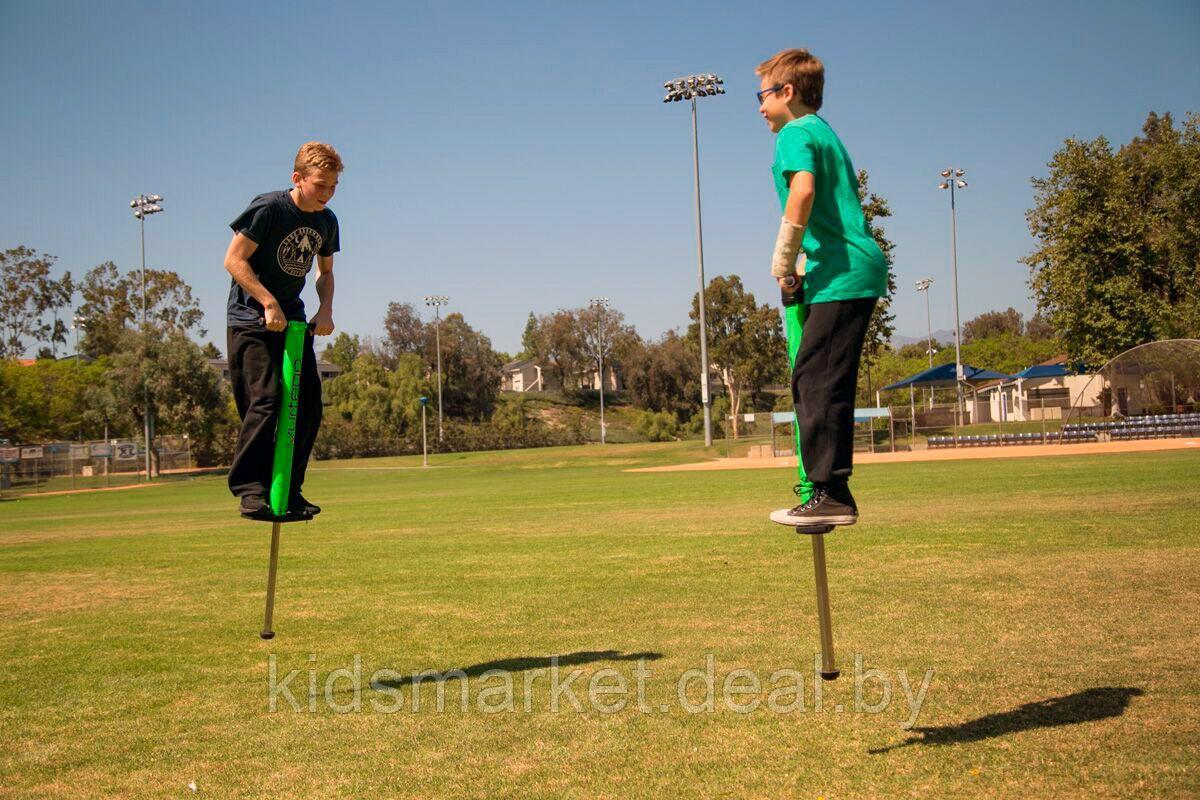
[
  {"x": 794, "y": 314},
  {"x": 285, "y": 447}
]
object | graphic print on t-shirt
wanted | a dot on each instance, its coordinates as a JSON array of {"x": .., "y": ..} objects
[{"x": 296, "y": 251}]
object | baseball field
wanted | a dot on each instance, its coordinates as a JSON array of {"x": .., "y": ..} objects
[{"x": 549, "y": 623}]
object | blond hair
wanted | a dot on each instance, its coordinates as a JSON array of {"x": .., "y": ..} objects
[
  {"x": 801, "y": 69},
  {"x": 317, "y": 155}
]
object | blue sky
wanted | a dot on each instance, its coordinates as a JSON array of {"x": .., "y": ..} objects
[{"x": 520, "y": 158}]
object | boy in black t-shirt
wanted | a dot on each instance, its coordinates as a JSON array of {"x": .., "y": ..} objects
[{"x": 274, "y": 242}]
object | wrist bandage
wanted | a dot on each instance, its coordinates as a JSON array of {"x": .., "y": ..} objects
[{"x": 787, "y": 249}]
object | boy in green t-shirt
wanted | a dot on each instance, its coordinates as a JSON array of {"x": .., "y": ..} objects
[{"x": 826, "y": 254}]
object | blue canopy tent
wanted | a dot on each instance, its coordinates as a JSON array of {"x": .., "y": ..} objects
[
  {"x": 943, "y": 376},
  {"x": 1043, "y": 371},
  {"x": 1038, "y": 372}
]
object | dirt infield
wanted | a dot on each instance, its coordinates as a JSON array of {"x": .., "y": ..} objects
[{"x": 950, "y": 454}]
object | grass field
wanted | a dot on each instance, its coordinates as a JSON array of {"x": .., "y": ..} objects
[{"x": 1055, "y": 602}]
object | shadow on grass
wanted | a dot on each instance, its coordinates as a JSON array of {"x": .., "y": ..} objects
[
  {"x": 1086, "y": 706},
  {"x": 518, "y": 664}
]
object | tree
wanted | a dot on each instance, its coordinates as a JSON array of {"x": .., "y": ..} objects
[
  {"x": 1038, "y": 328},
  {"x": 1165, "y": 182},
  {"x": 916, "y": 349},
  {"x": 515, "y": 420},
  {"x": 170, "y": 304},
  {"x": 56, "y": 297},
  {"x": 745, "y": 341},
  {"x": 210, "y": 350},
  {"x": 470, "y": 370},
  {"x": 882, "y": 325},
  {"x": 112, "y": 309},
  {"x": 53, "y": 400},
  {"x": 1117, "y": 262},
  {"x": 27, "y": 292},
  {"x": 379, "y": 403},
  {"x": 529, "y": 338},
  {"x": 107, "y": 308},
  {"x": 1009, "y": 353},
  {"x": 100, "y": 416},
  {"x": 993, "y": 323},
  {"x": 470, "y": 367},
  {"x": 657, "y": 426},
  {"x": 663, "y": 375},
  {"x": 605, "y": 333},
  {"x": 342, "y": 351},
  {"x": 112, "y": 306},
  {"x": 560, "y": 346},
  {"x": 570, "y": 341},
  {"x": 190, "y": 398},
  {"x": 404, "y": 332},
  {"x": 162, "y": 367}
]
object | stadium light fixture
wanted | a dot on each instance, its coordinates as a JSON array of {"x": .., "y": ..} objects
[{"x": 689, "y": 88}]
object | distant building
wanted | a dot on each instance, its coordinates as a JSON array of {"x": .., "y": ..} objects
[
  {"x": 528, "y": 375},
  {"x": 612, "y": 380},
  {"x": 1049, "y": 391}
]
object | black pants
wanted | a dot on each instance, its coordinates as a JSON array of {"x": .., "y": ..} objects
[
  {"x": 255, "y": 358},
  {"x": 823, "y": 386}
]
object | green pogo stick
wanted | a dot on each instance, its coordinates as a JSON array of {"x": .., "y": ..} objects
[
  {"x": 794, "y": 314},
  {"x": 285, "y": 448}
]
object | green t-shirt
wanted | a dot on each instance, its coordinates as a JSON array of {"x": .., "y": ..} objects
[{"x": 844, "y": 263}]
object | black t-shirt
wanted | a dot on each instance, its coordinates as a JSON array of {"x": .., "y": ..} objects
[{"x": 287, "y": 240}]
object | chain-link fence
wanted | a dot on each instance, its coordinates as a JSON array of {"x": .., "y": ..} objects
[
  {"x": 770, "y": 434},
  {"x": 934, "y": 425},
  {"x": 1158, "y": 379},
  {"x": 98, "y": 464},
  {"x": 1150, "y": 391}
]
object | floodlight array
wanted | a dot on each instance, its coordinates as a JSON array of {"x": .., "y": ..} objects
[
  {"x": 693, "y": 86},
  {"x": 146, "y": 204}
]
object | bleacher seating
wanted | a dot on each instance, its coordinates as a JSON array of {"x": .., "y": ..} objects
[
  {"x": 994, "y": 440},
  {"x": 1159, "y": 426}
]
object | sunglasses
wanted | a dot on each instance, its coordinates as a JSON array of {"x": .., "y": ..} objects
[{"x": 765, "y": 92}]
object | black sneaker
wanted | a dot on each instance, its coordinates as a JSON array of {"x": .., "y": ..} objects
[
  {"x": 825, "y": 507},
  {"x": 298, "y": 505},
  {"x": 838, "y": 491},
  {"x": 253, "y": 506},
  {"x": 841, "y": 493}
]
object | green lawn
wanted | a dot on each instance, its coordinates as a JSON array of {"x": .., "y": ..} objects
[{"x": 1055, "y": 601}]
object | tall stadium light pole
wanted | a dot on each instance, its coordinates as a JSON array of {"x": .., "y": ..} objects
[
  {"x": 952, "y": 179},
  {"x": 600, "y": 304},
  {"x": 424, "y": 438},
  {"x": 143, "y": 206},
  {"x": 77, "y": 322},
  {"x": 689, "y": 88},
  {"x": 923, "y": 287},
  {"x": 437, "y": 301}
]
